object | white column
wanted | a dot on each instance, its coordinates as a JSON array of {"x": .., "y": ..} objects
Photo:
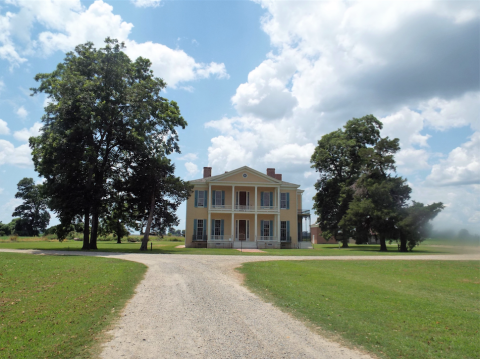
[
  {"x": 233, "y": 198},
  {"x": 209, "y": 199},
  {"x": 256, "y": 232},
  {"x": 209, "y": 220},
  {"x": 278, "y": 226},
  {"x": 233, "y": 226}
]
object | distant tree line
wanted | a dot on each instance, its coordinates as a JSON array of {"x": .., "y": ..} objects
[
  {"x": 358, "y": 193},
  {"x": 102, "y": 152}
]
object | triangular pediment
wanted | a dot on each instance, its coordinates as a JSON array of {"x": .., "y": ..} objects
[{"x": 244, "y": 174}]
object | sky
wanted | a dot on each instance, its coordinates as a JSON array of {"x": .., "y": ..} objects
[{"x": 260, "y": 82}]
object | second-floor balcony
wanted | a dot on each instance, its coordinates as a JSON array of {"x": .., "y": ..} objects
[{"x": 241, "y": 208}]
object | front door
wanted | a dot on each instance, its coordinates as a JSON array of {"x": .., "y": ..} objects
[
  {"x": 242, "y": 230},
  {"x": 242, "y": 198}
]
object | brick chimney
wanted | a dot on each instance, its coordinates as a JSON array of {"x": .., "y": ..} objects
[
  {"x": 278, "y": 176},
  {"x": 271, "y": 172},
  {"x": 207, "y": 172}
]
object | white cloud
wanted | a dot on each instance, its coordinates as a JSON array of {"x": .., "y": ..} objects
[
  {"x": 7, "y": 47},
  {"x": 192, "y": 168},
  {"x": 461, "y": 167},
  {"x": 69, "y": 23},
  {"x": 7, "y": 209},
  {"x": 21, "y": 112},
  {"x": 188, "y": 157},
  {"x": 24, "y": 134},
  {"x": 1, "y": 190},
  {"x": 146, "y": 3},
  {"x": 4, "y": 130},
  {"x": 19, "y": 156}
]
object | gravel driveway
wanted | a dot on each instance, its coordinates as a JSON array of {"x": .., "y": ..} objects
[{"x": 195, "y": 307}]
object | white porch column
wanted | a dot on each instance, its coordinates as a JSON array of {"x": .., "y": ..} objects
[
  {"x": 233, "y": 226},
  {"x": 279, "y": 211},
  {"x": 209, "y": 200},
  {"x": 233, "y": 198},
  {"x": 209, "y": 220},
  {"x": 256, "y": 232}
]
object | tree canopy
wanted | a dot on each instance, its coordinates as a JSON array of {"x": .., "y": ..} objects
[
  {"x": 32, "y": 213},
  {"x": 358, "y": 192},
  {"x": 106, "y": 114}
]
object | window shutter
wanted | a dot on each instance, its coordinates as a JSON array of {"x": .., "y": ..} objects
[
  {"x": 195, "y": 228},
  {"x": 248, "y": 198},
  {"x": 213, "y": 227},
  {"x": 204, "y": 229},
  {"x": 261, "y": 228},
  {"x": 288, "y": 230},
  {"x": 271, "y": 229},
  {"x": 248, "y": 229},
  {"x": 288, "y": 201},
  {"x": 271, "y": 199},
  {"x": 236, "y": 196},
  {"x": 223, "y": 198},
  {"x": 213, "y": 198},
  {"x": 196, "y": 198},
  {"x": 221, "y": 226},
  {"x": 261, "y": 202},
  {"x": 205, "y": 196}
]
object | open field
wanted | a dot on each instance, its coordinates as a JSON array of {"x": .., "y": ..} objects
[
  {"x": 169, "y": 247},
  {"x": 57, "y": 306},
  {"x": 414, "y": 309}
]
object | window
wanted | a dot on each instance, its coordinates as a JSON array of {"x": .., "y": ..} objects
[
  {"x": 218, "y": 228},
  {"x": 283, "y": 200},
  {"x": 266, "y": 228},
  {"x": 201, "y": 199},
  {"x": 218, "y": 198},
  {"x": 199, "y": 228},
  {"x": 283, "y": 230},
  {"x": 266, "y": 199}
]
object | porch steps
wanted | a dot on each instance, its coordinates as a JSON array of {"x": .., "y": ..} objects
[{"x": 244, "y": 244}]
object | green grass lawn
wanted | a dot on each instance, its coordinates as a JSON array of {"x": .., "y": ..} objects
[
  {"x": 407, "y": 309},
  {"x": 169, "y": 247},
  {"x": 57, "y": 306}
]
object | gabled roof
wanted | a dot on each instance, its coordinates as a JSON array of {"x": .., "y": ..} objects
[{"x": 223, "y": 176}]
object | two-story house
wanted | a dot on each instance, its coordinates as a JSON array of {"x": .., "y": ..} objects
[{"x": 244, "y": 208}]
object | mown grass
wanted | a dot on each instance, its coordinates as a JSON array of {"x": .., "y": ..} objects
[
  {"x": 57, "y": 306},
  {"x": 407, "y": 309},
  {"x": 169, "y": 247}
]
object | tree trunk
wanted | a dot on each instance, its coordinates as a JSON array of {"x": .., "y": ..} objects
[
  {"x": 119, "y": 231},
  {"x": 144, "y": 246},
  {"x": 93, "y": 238},
  {"x": 403, "y": 244},
  {"x": 86, "y": 230},
  {"x": 383, "y": 244},
  {"x": 344, "y": 243}
]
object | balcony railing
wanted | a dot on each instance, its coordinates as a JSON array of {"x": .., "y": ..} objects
[
  {"x": 305, "y": 212},
  {"x": 225, "y": 207},
  {"x": 244, "y": 208},
  {"x": 268, "y": 208}
]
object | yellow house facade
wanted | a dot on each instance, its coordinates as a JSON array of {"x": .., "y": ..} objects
[{"x": 243, "y": 208}]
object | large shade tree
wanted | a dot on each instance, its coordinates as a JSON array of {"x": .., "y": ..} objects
[
  {"x": 359, "y": 193},
  {"x": 105, "y": 111},
  {"x": 33, "y": 214}
]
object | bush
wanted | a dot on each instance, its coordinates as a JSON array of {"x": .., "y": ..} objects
[{"x": 132, "y": 239}]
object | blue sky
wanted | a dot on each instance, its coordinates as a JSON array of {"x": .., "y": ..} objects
[{"x": 259, "y": 82}]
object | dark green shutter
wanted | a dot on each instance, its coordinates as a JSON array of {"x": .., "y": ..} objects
[
  {"x": 195, "y": 228},
  {"x": 261, "y": 228},
  {"x": 213, "y": 198},
  {"x": 288, "y": 200},
  {"x": 221, "y": 227},
  {"x": 271, "y": 229},
  {"x": 204, "y": 229},
  {"x": 261, "y": 199},
  {"x": 205, "y": 196},
  {"x": 271, "y": 199},
  {"x": 196, "y": 198},
  {"x": 213, "y": 227},
  {"x": 223, "y": 198},
  {"x": 288, "y": 230}
]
